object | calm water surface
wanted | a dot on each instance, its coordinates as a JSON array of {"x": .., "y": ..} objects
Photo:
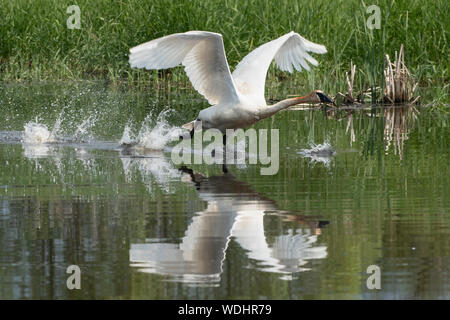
[{"x": 140, "y": 227}]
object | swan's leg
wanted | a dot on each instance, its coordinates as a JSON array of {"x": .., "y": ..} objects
[
  {"x": 224, "y": 163},
  {"x": 224, "y": 142}
]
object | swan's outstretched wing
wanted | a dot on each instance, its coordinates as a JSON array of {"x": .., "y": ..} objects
[
  {"x": 289, "y": 51},
  {"x": 203, "y": 55}
]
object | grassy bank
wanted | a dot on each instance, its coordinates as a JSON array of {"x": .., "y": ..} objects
[{"x": 35, "y": 43}]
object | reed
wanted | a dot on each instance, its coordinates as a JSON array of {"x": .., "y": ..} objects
[{"x": 399, "y": 85}]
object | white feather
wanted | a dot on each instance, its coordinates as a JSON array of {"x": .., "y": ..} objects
[
  {"x": 288, "y": 51},
  {"x": 203, "y": 55}
]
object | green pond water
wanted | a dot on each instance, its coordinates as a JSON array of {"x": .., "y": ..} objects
[{"x": 141, "y": 227}]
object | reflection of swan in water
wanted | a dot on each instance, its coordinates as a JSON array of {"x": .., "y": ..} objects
[{"x": 233, "y": 210}]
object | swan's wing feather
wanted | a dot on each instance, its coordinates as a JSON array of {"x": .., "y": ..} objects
[
  {"x": 289, "y": 51},
  {"x": 201, "y": 53}
]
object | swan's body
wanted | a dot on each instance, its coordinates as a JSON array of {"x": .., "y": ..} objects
[{"x": 237, "y": 98}]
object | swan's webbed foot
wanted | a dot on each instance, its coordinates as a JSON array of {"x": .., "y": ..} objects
[{"x": 196, "y": 178}]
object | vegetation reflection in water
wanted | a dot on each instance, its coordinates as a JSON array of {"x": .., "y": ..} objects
[{"x": 380, "y": 199}]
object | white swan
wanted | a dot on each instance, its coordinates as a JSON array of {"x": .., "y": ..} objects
[{"x": 237, "y": 99}]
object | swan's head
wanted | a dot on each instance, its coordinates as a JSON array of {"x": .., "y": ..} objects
[{"x": 322, "y": 97}]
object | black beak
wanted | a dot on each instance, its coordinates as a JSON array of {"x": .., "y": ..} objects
[
  {"x": 324, "y": 98},
  {"x": 323, "y": 223}
]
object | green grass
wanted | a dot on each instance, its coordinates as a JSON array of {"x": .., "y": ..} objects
[{"x": 35, "y": 43}]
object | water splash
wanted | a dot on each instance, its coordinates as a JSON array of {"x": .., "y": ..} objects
[
  {"x": 34, "y": 151},
  {"x": 84, "y": 132},
  {"x": 319, "y": 153},
  {"x": 153, "y": 136},
  {"x": 126, "y": 136},
  {"x": 321, "y": 150},
  {"x": 152, "y": 170},
  {"x": 37, "y": 133},
  {"x": 56, "y": 131}
]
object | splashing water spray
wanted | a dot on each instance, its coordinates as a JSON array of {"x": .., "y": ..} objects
[{"x": 152, "y": 136}]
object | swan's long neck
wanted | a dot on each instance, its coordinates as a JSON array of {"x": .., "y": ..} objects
[{"x": 270, "y": 110}]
